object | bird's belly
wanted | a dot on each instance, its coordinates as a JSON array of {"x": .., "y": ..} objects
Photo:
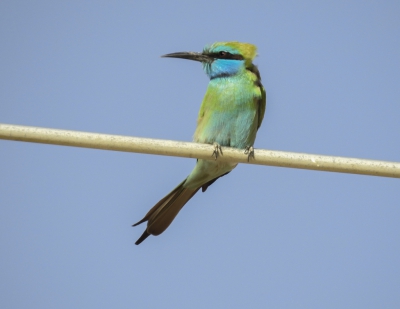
[
  {"x": 206, "y": 170},
  {"x": 236, "y": 128}
]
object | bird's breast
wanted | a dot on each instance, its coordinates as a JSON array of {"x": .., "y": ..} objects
[{"x": 228, "y": 113}]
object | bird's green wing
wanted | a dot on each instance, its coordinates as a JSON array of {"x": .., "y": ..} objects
[{"x": 262, "y": 102}]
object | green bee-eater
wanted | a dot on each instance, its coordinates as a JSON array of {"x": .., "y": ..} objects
[{"x": 230, "y": 115}]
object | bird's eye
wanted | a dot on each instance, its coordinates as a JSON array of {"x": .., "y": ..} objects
[{"x": 223, "y": 53}]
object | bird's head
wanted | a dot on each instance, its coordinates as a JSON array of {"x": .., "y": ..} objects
[{"x": 222, "y": 59}]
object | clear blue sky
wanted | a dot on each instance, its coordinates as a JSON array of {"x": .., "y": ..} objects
[{"x": 264, "y": 237}]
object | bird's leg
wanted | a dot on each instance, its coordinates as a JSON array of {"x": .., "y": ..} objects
[
  {"x": 249, "y": 150},
  {"x": 217, "y": 150}
]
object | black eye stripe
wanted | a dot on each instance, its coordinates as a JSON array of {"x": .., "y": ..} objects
[{"x": 226, "y": 55}]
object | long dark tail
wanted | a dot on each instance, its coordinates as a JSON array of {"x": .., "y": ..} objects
[{"x": 164, "y": 212}]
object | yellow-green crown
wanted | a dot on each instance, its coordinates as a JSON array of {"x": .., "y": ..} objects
[{"x": 248, "y": 51}]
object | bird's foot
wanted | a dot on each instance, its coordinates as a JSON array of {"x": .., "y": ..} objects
[
  {"x": 249, "y": 151},
  {"x": 217, "y": 150}
]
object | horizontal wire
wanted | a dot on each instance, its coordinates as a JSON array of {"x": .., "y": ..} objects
[{"x": 200, "y": 151}]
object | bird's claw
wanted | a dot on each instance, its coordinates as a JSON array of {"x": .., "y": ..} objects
[
  {"x": 249, "y": 150},
  {"x": 217, "y": 150}
]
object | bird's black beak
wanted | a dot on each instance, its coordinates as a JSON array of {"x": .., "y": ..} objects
[{"x": 191, "y": 56}]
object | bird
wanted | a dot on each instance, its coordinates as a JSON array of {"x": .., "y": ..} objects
[{"x": 230, "y": 115}]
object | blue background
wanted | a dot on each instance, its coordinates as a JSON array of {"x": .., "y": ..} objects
[{"x": 264, "y": 237}]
